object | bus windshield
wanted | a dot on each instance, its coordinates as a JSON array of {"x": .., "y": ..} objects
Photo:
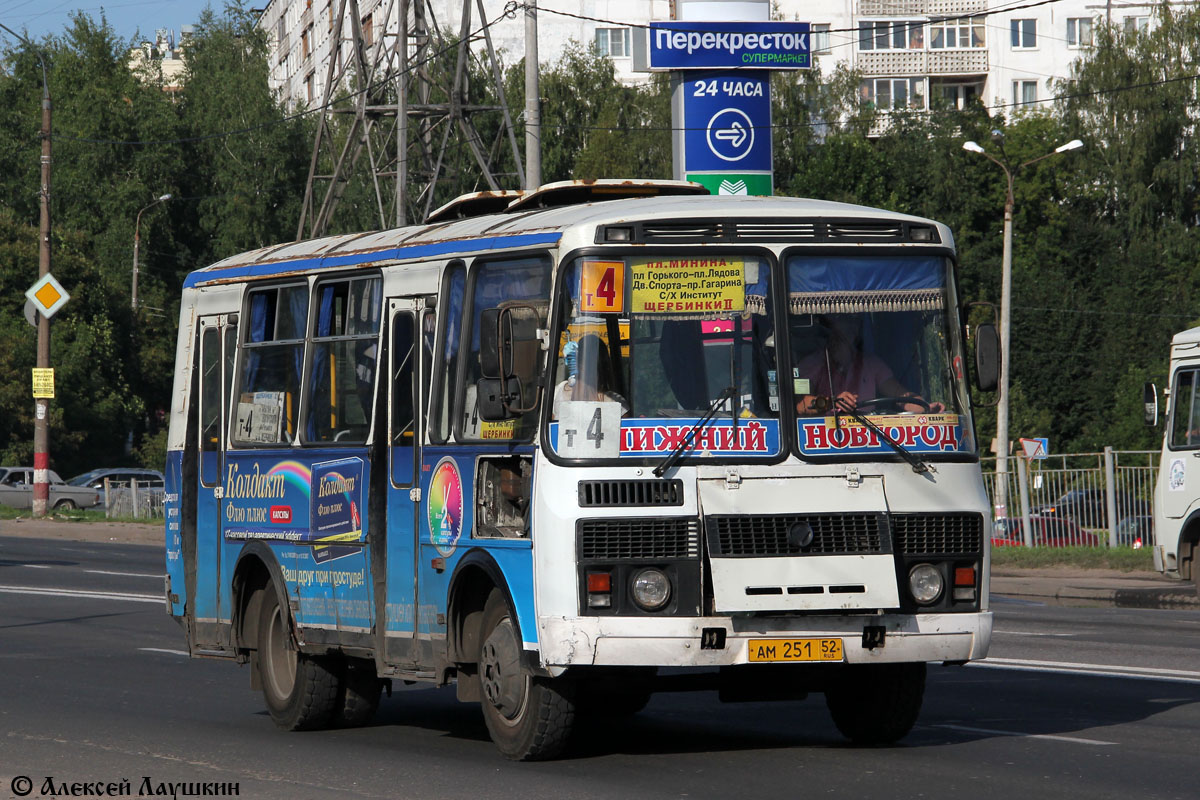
[
  {"x": 877, "y": 335},
  {"x": 648, "y": 346}
]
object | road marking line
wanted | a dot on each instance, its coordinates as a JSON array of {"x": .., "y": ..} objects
[
  {"x": 133, "y": 598},
  {"x": 1072, "y": 739},
  {"x": 1032, "y": 633},
  {"x": 35, "y": 566},
  {"x": 165, "y": 650},
  {"x": 160, "y": 576},
  {"x": 1104, "y": 670}
]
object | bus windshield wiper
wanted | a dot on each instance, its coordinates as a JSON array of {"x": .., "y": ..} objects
[
  {"x": 916, "y": 463},
  {"x": 690, "y": 437}
]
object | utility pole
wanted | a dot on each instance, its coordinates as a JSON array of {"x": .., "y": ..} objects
[
  {"x": 41, "y": 418},
  {"x": 533, "y": 103}
]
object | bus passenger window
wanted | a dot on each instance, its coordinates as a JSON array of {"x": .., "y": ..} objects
[
  {"x": 345, "y": 349},
  {"x": 268, "y": 395}
]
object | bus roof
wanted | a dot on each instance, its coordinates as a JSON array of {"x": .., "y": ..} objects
[{"x": 523, "y": 228}]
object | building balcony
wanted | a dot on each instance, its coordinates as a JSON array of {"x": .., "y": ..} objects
[
  {"x": 919, "y": 8},
  {"x": 973, "y": 61}
]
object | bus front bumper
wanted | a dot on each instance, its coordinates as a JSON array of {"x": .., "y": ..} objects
[{"x": 689, "y": 642}]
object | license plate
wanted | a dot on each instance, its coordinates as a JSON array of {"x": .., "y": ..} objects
[{"x": 796, "y": 650}]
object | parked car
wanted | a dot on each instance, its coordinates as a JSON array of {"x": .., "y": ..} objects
[
  {"x": 149, "y": 480},
  {"x": 1047, "y": 532},
  {"x": 1089, "y": 507},
  {"x": 1136, "y": 531},
  {"x": 16, "y": 490}
]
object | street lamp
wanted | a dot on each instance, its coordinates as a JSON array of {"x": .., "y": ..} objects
[
  {"x": 1006, "y": 310},
  {"x": 136, "y": 240}
]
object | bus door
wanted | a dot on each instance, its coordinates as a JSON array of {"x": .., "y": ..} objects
[
  {"x": 410, "y": 330},
  {"x": 218, "y": 344}
]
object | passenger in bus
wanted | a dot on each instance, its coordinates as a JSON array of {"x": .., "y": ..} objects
[
  {"x": 589, "y": 377},
  {"x": 841, "y": 372}
]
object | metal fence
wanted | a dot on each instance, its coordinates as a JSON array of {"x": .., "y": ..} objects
[
  {"x": 137, "y": 499},
  {"x": 1101, "y": 499}
]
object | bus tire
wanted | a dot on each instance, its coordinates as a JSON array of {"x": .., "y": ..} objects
[
  {"x": 530, "y": 718},
  {"x": 874, "y": 704},
  {"x": 358, "y": 693},
  {"x": 300, "y": 690}
]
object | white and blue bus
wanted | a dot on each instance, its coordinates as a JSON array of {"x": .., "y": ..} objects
[{"x": 566, "y": 447}]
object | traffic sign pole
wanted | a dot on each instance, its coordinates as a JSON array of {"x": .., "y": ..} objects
[{"x": 41, "y": 417}]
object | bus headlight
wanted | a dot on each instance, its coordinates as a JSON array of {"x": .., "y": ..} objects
[
  {"x": 925, "y": 583},
  {"x": 651, "y": 589}
]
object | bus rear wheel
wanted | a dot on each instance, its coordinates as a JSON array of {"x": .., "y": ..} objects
[
  {"x": 874, "y": 704},
  {"x": 301, "y": 691},
  {"x": 529, "y": 718},
  {"x": 358, "y": 693}
]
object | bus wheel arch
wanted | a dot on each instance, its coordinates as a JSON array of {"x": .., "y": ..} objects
[
  {"x": 1188, "y": 550},
  {"x": 256, "y": 570},
  {"x": 475, "y": 577}
]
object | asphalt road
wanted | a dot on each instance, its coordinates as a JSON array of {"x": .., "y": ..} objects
[{"x": 1073, "y": 703}]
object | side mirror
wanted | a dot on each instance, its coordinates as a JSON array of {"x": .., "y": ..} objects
[
  {"x": 496, "y": 396},
  {"x": 987, "y": 357},
  {"x": 1150, "y": 401},
  {"x": 508, "y": 359},
  {"x": 491, "y": 340}
]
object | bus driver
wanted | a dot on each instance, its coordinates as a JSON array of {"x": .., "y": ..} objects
[{"x": 841, "y": 372}]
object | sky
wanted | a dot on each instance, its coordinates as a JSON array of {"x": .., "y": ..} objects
[{"x": 127, "y": 17}]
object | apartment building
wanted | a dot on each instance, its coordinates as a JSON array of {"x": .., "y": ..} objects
[{"x": 912, "y": 54}]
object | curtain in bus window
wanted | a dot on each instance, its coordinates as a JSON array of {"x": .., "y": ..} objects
[{"x": 836, "y": 285}]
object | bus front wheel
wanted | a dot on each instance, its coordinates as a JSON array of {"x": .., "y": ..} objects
[
  {"x": 300, "y": 690},
  {"x": 529, "y": 718},
  {"x": 874, "y": 704}
]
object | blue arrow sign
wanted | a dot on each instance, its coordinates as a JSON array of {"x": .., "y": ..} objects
[{"x": 727, "y": 116}]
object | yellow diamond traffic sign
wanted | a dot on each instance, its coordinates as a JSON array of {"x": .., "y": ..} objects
[{"x": 47, "y": 295}]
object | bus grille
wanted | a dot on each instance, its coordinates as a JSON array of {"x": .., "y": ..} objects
[
  {"x": 811, "y": 229},
  {"x": 934, "y": 534},
  {"x": 833, "y": 534},
  {"x": 630, "y": 493},
  {"x": 636, "y": 538}
]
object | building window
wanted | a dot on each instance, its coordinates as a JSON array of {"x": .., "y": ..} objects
[
  {"x": 1024, "y": 33},
  {"x": 893, "y": 93},
  {"x": 1079, "y": 32},
  {"x": 308, "y": 87},
  {"x": 956, "y": 33},
  {"x": 1024, "y": 93},
  {"x": 368, "y": 30},
  {"x": 1137, "y": 24},
  {"x": 954, "y": 95},
  {"x": 891, "y": 36},
  {"x": 612, "y": 42},
  {"x": 819, "y": 37},
  {"x": 280, "y": 28},
  {"x": 306, "y": 42}
]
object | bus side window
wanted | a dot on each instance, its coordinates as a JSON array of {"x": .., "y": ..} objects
[
  {"x": 445, "y": 362},
  {"x": 345, "y": 350},
  {"x": 268, "y": 394},
  {"x": 1185, "y": 422},
  {"x": 496, "y": 284},
  {"x": 403, "y": 389}
]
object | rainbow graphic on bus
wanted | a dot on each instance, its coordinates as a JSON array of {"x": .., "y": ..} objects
[
  {"x": 445, "y": 508},
  {"x": 294, "y": 474}
]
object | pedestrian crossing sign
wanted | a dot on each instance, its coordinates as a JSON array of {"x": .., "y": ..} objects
[{"x": 1035, "y": 448}]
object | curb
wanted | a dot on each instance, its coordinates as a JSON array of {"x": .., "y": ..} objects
[{"x": 1159, "y": 598}]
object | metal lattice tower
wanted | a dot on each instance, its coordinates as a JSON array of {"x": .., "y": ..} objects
[{"x": 396, "y": 138}]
